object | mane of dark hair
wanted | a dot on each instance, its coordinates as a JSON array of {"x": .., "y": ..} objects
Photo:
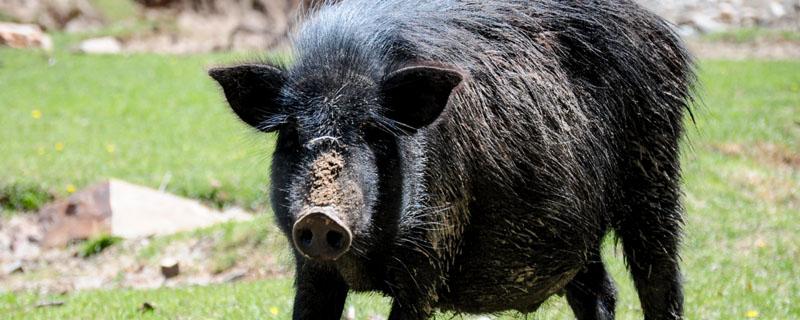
[{"x": 547, "y": 80}]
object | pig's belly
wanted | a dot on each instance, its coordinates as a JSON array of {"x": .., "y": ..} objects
[
  {"x": 520, "y": 289},
  {"x": 509, "y": 273}
]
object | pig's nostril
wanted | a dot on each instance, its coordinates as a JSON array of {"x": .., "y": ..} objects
[
  {"x": 320, "y": 236},
  {"x": 306, "y": 237},
  {"x": 335, "y": 239}
]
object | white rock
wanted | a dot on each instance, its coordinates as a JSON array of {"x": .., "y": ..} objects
[
  {"x": 728, "y": 13},
  {"x": 104, "y": 45},
  {"x": 12, "y": 267},
  {"x": 24, "y": 36},
  {"x": 706, "y": 24},
  {"x": 686, "y": 31},
  {"x": 126, "y": 210},
  {"x": 351, "y": 313},
  {"x": 139, "y": 211},
  {"x": 233, "y": 275},
  {"x": 88, "y": 282},
  {"x": 777, "y": 9}
]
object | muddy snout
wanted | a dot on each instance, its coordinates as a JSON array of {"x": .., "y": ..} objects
[{"x": 318, "y": 234}]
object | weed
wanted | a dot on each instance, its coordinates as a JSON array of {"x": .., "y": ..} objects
[{"x": 96, "y": 245}]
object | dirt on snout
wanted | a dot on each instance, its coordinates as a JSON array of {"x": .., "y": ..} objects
[{"x": 325, "y": 191}]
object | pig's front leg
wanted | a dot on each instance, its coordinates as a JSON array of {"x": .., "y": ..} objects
[
  {"x": 403, "y": 309},
  {"x": 320, "y": 293},
  {"x": 416, "y": 280}
]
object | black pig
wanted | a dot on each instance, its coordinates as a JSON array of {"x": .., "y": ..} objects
[{"x": 471, "y": 155}]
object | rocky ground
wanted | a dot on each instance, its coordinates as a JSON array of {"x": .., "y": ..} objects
[
  {"x": 696, "y": 19},
  {"x": 693, "y": 17},
  {"x": 190, "y": 26},
  {"x": 232, "y": 252}
]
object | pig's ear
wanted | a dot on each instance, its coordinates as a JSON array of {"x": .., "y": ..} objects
[
  {"x": 252, "y": 92},
  {"x": 415, "y": 96}
]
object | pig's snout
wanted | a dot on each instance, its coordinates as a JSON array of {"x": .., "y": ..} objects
[{"x": 320, "y": 235}]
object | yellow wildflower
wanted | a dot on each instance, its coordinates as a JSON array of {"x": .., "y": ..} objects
[
  {"x": 70, "y": 188},
  {"x": 751, "y": 314},
  {"x": 111, "y": 148},
  {"x": 59, "y": 146},
  {"x": 273, "y": 311},
  {"x": 36, "y": 114}
]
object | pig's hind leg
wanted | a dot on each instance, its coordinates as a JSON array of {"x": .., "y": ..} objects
[{"x": 650, "y": 232}]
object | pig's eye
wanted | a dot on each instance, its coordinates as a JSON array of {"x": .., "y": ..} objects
[
  {"x": 368, "y": 128},
  {"x": 373, "y": 131}
]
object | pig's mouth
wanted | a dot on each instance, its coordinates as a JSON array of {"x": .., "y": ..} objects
[{"x": 318, "y": 234}]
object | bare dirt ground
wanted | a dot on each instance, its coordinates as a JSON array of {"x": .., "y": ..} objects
[{"x": 215, "y": 256}]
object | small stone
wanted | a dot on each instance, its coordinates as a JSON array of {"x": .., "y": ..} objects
[
  {"x": 88, "y": 282},
  {"x": 351, "y": 313},
  {"x": 146, "y": 307},
  {"x": 45, "y": 304},
  {"x": 13, "y": 267},
  {"x": 234, "y": 275},
  {"x": 170, "y": 268},
  {"x": 777, "y": 9},
  {"x": 103, "y": 45},
  {"x": 24, "y": 36},
  {"x": 686, "y": 31},
  {"x": 82, "y": 25},
  {"x": 706, "y": 24},
  {"x": 727, "y": 13}
]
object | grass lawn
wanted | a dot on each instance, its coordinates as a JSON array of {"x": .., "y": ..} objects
[
  {"x": 70, "y": 120},
  {"x": 157, "y": 120}
]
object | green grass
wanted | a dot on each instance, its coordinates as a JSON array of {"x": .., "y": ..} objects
[
  {"x": 230, "y": 243},
  {"x": 750, "y": 35},
  {"x": 164, "y": 116},
  {"x": 96, "y": 245},
  {"x": 148, "y": 119},
  {"x": 23, "y": 197},
  {"x": 257, "y": 300}
]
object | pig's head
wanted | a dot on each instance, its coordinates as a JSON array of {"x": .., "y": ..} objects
[{"x": 336, "y": 172}]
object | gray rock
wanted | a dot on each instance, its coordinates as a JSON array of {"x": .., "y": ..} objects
[
  {"x": 22, "y": 36},
  {"x": 234, "y": 275},
  {"x": 706, "y": 24},
  {"x": 777, "y": 9},
  {"x": 13, "y": 267},
  {"x": 103, "y": 45},
  {"x": 126, "y": 210}
]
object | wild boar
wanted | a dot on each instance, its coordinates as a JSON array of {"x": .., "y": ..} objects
[{"x": 471, "y": 155}]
